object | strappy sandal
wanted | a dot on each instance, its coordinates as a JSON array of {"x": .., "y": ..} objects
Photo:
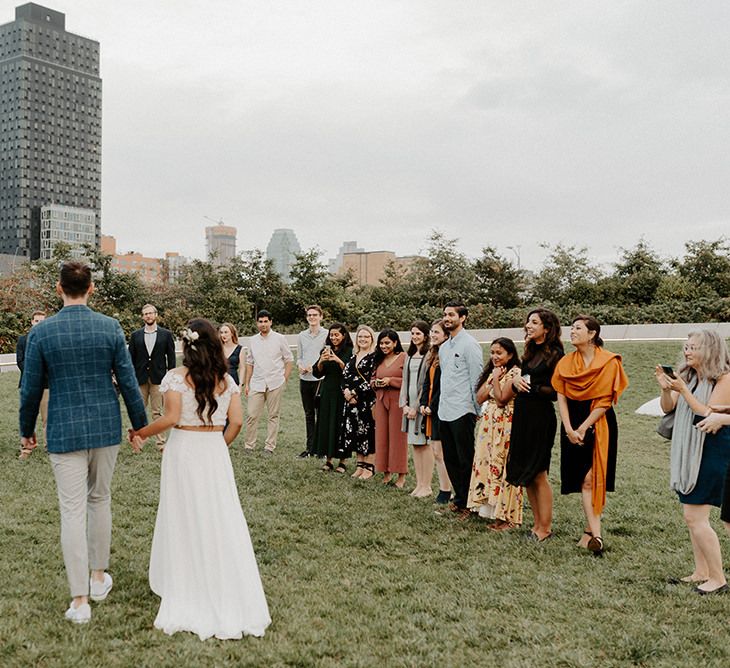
[
  {"x": 327, "y": 467},
  {"x": 595, "y": 545},
  {"x": 26, "y": 452},
  {"x": 367, "y": 468},
  {"x": 341, "y": 468}
]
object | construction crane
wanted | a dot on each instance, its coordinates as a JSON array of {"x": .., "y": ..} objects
[{"x": 219, "y": 221}]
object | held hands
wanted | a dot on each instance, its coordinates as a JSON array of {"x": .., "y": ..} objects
[
  {"x": 409, "y": 413},
  {"x": 575, "y": 436},
  {"x": 425, "y": 410},
  {"x": 135, "y": 440}
]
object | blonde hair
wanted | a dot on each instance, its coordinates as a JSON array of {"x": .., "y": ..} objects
[
  {"x": 713, "y": 354},
  {"x": 234, "y": 331},
  {"x": 370, "y": 331}
]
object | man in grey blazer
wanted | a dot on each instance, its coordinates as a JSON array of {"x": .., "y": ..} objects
[{"x": 78, "y": 350}]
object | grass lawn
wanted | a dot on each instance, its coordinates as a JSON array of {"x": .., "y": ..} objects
[{"x": 360, "y": 575}]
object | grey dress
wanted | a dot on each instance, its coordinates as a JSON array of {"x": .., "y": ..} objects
[{"x": 410, "y": 395}]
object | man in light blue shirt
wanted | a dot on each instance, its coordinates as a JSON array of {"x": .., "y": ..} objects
[
  {"x": 309, "y": 347},
  {"x": 461, "y": 361}
]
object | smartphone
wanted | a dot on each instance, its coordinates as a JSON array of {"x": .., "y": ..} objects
[
  {"x": 668, "y": 370},
  {"x": 328, "y": 349}
]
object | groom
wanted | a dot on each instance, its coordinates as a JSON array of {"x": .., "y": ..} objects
[{"x": 79, "y": 350}]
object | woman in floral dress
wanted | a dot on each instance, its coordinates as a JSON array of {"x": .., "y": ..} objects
[
  {"x": 489, "y": 493},
  {"x": 358, "y": 424}
]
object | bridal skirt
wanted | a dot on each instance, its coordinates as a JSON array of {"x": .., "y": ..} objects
[{"x": 202, "y": 565}]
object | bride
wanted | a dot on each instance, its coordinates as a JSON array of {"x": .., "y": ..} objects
[{"x": 202, "y": 564}]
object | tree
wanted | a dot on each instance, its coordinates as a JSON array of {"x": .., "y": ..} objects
[
  {"x": 707, "y": 266},
  {"x": 567, "y": 276},
  {"x": 638, "y": 274},
  {"x": 254, "y": 279},
  {"x": 498, "y": 281},
  {"x": 444, "y": 274}
]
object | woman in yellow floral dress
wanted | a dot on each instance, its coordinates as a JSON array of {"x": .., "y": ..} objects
[{"x": 489, "y": 493}]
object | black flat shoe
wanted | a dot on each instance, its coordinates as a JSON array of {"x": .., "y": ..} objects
[{"x": 718, "y": 590}]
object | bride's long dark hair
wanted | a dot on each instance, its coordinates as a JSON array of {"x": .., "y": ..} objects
[{"x": 206, "y": 363}]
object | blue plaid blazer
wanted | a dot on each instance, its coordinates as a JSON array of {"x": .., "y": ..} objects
[{"x": 78, "y": 349}]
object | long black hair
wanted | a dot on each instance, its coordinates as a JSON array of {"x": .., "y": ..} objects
[
  {"x": 206, "y": 363},
  {"x": 387, "y": 334},
  {"x": 552, "y": 347},
  {"x": 511, "y": 348},
  {"x": 346, "y": 340}
]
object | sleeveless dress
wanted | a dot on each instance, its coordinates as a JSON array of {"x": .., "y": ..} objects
[
  {"x": 489, "y": 491},
  {"x": 202, "y": 564}
]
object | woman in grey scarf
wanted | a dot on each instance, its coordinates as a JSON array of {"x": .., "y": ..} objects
[{"x": 699, "y": 460}]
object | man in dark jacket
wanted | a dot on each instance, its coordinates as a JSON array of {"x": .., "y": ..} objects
[{"x": 152, "y": 349}]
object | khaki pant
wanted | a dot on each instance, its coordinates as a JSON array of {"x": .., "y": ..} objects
[
  {"x": 152, "y": 394},
  {"x": 254, "y": 408},
  {"x": 83, "y": 480}
]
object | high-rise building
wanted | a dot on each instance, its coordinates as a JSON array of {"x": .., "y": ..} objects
[
  {"x": 50, "y": 125},
  {"x": 282, "y": 248},
  {"x": 220, "y": 243},
  {"x": 335, "y": 263}
]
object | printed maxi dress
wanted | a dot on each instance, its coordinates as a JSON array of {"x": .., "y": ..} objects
[{"x": 489, "y": 491}]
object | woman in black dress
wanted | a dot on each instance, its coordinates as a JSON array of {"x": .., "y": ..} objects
[
  {"x": 229, "y": 339},
  {"x": 358, "y": 425},
  {"x": 534, "y": 423},
  {"x": 335, "y": 355}
]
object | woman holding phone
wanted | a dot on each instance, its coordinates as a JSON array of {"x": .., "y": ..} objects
[{"x": 698, "y": 460}]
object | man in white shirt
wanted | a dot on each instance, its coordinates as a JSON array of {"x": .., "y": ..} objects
[
  {"x": 309, "y": 346},
  {"x": 268, "y": 365}
]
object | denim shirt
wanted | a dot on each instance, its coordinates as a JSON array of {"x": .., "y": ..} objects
[{"x": 461, "y": 361}]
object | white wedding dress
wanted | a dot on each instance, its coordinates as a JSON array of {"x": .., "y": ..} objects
[{"x": 202, "y": 565}]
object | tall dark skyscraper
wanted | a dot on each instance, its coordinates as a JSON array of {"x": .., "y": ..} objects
[{"x": 50, "y": 133}]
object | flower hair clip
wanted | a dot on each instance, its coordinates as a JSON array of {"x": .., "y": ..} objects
[{"x": 190, "y": 337}]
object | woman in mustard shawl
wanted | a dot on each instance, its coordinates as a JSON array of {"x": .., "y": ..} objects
[{"x": 588, "y": 382}]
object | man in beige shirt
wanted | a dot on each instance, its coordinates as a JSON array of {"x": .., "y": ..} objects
[{"x": 268, "y": 365}]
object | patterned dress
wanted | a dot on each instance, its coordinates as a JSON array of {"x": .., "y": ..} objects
[
  {"x": 358, "y": 425},
  {"x": 489, "y": 489}
]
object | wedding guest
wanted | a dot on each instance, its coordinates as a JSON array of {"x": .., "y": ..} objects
[
  {"x": 414, "y": 372},
  {"x": 268, "y": 365},
  {"x": 309, "y": 347},
  {"x": 589, "y": 382},
  {"x": 699, "y": 460},
  {"x": 231, "y": 349},
  {"x": 533, "y": 422},
  {"x": 430, "y": 405},
  {"x": 490, "y": 494},
  {"x": 335, "y": 354},
  {"x": 718, "y": 422},
  {"x": 358, "y": 424},
  {"x": 77, "y": 350},
  {"x": 152, "y": 349},
  {"x": 461, "y": 361},
  {"x": 202, "y": 564},
  {"x": 391, "y": 444},
  {"x": 37, "y": 317}
]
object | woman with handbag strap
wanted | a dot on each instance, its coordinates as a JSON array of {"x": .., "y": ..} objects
[
  {"x": 589, "y": 382},
  {"x": 698, "y": 460}
]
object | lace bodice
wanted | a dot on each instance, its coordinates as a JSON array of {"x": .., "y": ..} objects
[{"x": 174, "y": 382}]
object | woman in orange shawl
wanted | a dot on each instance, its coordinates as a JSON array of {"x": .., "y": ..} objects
[{"x": 588, "y": 382}]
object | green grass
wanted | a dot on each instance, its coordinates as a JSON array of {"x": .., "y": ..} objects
[{"x": 359, "y": 575}]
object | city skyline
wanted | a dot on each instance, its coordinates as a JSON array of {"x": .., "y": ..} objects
[{"x": 581, "y": 123}]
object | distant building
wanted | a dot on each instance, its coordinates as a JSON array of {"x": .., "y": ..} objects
[
  {"x": 50, "y": 126},
  {"x": 335, "y": 263},
  {"x": 368, "y": 267},
  {"x": 282, "y": 249},
  {"x": 149, "y": 269},
  {"x": 220, "y": 243},
  {"x": 66, "y": 224}
]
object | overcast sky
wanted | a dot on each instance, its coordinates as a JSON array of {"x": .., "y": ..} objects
[{"x": 501, "y": 123}]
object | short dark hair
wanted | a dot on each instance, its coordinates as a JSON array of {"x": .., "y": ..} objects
[
  {"x": 458, "y": 306},
  {"x": 75, "y": 278},
  {"x": 263, "y": 313}
]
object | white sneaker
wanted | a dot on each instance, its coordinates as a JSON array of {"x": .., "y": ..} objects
[
  {"x": 100, "y": 590},
  {"x": 80, "y": 615}
]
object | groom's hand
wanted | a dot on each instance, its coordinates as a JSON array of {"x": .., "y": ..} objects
[{"x": 135, "y": 441}]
